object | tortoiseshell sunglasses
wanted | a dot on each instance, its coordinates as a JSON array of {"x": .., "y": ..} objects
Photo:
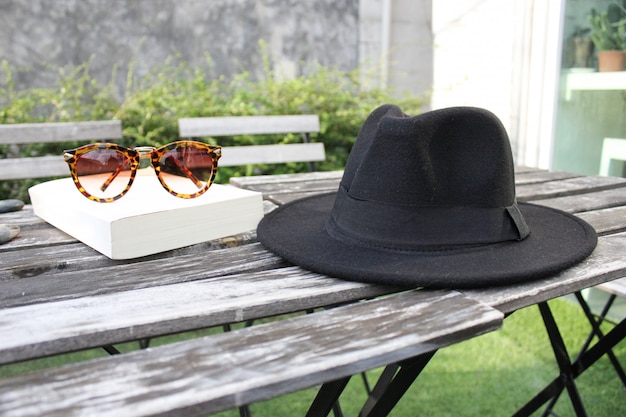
[{"x": 104, "y": 172}]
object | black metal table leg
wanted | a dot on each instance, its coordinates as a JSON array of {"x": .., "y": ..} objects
[
  {"x": 387, "y": 393},
  {"x": 327, "y": 397},
  {"x": 595, "y": 324},
  {"x": 379, "y": 389},
  {"x": 566, "y": 377},
  {"x": 570, "y": 370},
  {"x": 562, "y": 358}
]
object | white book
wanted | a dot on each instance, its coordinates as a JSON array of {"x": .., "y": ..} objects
[{"x": 147, "y": 219}]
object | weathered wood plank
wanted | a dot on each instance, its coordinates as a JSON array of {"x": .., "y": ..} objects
[
  {"x": 534, "y": 177},
  {"x": 520, "y": 169},
  {"x": 247, "y": 125},
  {"x": 41, "y": 260},
  {"x": 606, "y": 263},
  {"x": 37, "y": 237},
  {"x": 280, "y": 199},
  {"x": 34, "y": 232},
  {"x": 283, "y": 188},
  {"x": 606, "y": 221},
  {"x": 246, "y": 182},
  {"x": 232, "y": 369},
  {"x": 579, "y": 185},
  {"x": 50, "y": 328},
  {"x": 20, "y": 288},
  {"x": 24, "y": 217},
  {"x": 60, "y": 132},
  {"x": 593, "y": 200}
]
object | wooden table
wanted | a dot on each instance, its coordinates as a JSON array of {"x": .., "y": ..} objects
[{"x": 60, "y": 296}]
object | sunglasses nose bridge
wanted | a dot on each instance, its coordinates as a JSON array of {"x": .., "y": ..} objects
[{"x": 144, "y": 151}]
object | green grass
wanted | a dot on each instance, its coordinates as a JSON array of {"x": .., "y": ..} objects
[{"x": 491, "y": 375}]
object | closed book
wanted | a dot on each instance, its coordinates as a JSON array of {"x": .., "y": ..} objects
[{"x": 147, "y": 219}]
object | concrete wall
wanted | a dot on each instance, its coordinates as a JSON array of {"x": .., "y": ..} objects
[
  {"x": 389, "y": 40},
  {"x": 396, "y": 44},
  {"x": 41, "y": 35}
]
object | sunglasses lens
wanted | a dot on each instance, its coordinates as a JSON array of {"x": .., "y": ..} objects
[
  {"x": 186, "y": 168},
  {"x": 103, "y": 173}
]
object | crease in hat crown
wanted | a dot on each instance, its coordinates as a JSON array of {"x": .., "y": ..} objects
[{"x": 437, "y": 180}]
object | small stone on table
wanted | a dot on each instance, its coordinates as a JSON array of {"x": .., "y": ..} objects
[
  {"x": 8, "y": 232},
  {"x": 10, "y": 205}
]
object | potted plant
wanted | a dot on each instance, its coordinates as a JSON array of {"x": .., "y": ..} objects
[
  {"x": 608, "y": 33},
  {"x": 583, "y": 48}
]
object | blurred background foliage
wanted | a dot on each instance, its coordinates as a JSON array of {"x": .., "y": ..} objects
[{"x": 152, "y": 105}]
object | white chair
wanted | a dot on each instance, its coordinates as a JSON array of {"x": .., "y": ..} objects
[{"x": 612, "y": 148}]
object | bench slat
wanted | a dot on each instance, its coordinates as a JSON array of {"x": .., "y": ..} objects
[
  {"x": 247, "y": 125},
  {"x": 59, "y": 132},
  {"x": 249, "y": 183},
  {"x": 52, "y": 165},
  {"x": 272, "y": 154},
  {"x": 227, "y": 370},
  {"x": 35, "y": 167}
]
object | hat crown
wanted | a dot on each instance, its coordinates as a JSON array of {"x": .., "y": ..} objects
[
  {"x": 458, "y": 156},
  {"x": 439, "y": 180}
]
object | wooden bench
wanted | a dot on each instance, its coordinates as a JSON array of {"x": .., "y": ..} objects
[
  {"x": 50, "y": 165},
  {"x": 223, "y": 371},
  {"x": 53, "y": 165},
  {"x": 257, "y": 125}
]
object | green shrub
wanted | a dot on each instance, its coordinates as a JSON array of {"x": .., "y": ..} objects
[{"x": 153, "y": 104}]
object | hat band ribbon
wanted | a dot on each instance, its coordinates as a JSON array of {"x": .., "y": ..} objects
[{"x": 405, "y": 227}]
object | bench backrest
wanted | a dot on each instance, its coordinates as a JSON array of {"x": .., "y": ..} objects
[
  {"x": 51, "y": 165},
  {"x": 258, "y": 125}
]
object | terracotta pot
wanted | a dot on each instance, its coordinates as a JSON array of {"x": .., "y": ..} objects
[{"x": 611, "y": 61}]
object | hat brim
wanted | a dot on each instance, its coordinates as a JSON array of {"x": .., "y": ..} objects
[{"x": 558, "y": 240}]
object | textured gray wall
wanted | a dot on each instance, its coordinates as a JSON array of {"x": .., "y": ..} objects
[{"x": 42, "y": 35}]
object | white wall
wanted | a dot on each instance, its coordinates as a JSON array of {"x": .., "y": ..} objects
[{"x": 501, "y": 55}]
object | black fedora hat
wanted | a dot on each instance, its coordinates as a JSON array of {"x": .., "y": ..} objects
[{"x": 428, "y": 201}]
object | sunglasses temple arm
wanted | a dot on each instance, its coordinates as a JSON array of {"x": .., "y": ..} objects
[
  {"x": 188, "y": 173},
  {"x": 109, "y": 180}
]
